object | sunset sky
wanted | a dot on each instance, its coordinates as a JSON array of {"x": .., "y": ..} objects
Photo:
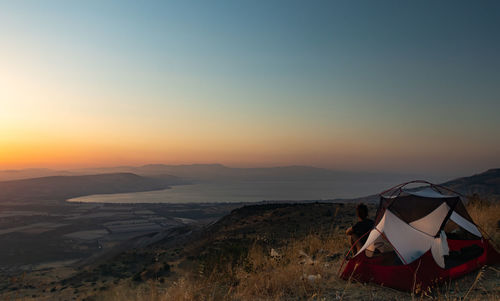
[{"x": 402, "y": 86}]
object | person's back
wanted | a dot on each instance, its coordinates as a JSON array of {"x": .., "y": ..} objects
[{"x": 358, "y": 232}]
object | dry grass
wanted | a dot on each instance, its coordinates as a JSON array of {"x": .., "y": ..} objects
[
  {"x": 300, "y": 269},
  {"x": 306, "y": 269},
  {"x": 487, "y": 216}
]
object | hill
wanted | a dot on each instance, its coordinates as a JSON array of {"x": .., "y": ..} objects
[
  {"x": 65, "y": 187},
  {"x": 486, "y": 184}
]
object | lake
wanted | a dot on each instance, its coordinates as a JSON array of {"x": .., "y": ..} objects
[{"x": 246, "y": 191}]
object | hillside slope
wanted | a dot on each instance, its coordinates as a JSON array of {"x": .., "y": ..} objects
[
  {"x": 486, "y": 184},
  {"x": 64, "y": 187}
]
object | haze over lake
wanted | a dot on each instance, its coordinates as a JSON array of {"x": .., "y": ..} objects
[{"x": 247, "y": 191}]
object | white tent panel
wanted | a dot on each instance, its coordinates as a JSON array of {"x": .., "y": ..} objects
[
  {"x": 372, "y": 237},
  {"x": 439, "y": 249},
  {"x": 462, "y": 222},
  {"x": 374, "y": 234},
  {"x": 409, "y": 242},
  {"x": 431, "y": 222}
]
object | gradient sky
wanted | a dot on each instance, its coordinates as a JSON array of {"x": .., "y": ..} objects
[{"x": 406, "y": 86}]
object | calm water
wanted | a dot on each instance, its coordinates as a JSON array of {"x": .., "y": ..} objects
[{"x": 246, "y": 192}]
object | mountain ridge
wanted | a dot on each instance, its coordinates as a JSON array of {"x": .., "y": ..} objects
[{"x": 214, "y": 172}]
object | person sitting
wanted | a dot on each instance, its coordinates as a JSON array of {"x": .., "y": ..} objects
[{"x": 357, "y": 232}]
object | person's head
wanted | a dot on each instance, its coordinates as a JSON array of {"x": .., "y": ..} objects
[{"x": 362, "y": 211}]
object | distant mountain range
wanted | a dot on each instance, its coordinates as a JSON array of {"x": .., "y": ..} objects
[
  {"x": 214, "y": 172},
  {"x": 59, "y": 185}
]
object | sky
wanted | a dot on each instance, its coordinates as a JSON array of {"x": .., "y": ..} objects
[{"x": 401, "y": 86}]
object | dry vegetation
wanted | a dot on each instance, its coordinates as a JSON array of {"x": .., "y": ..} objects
[
  {"x": 306, "y": 269},
  {"x": 253, "y": 255},
  {"x": 487, "y": 217}
]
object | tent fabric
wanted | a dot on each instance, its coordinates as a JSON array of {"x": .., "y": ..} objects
[
  {"x": 464, "y": 223},
  {"x": 409, "y": 242},
  {"x": 411, "y": 208},
  {"x": 422, "y": 273},
  {"x": 460, "y": 209},
  {"x": 439, "y": 249},
  {"x": 428, "y": 192},
  {"x": 410, "y": 227},
  {"x": 431, "y": 223}
]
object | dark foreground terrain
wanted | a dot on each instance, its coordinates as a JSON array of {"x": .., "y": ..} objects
[
  {"x": 38, "y": 236},
  {"x": 257, "y": 252},
  {"x": 176, "y": 248}
]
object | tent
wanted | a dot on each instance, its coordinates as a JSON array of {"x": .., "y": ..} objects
[{"x": 422, "y": 236}]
